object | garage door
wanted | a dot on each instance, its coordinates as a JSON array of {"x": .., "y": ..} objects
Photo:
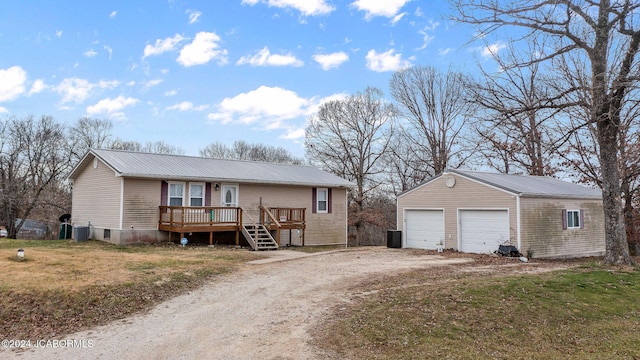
[
  {"x": 482, "y": 231},
  {"x": 424, "y": 229}
]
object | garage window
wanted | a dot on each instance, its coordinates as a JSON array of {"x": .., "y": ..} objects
[{"x": 572, "y": 219}]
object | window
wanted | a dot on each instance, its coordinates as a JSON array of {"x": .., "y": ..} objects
[
  {"x": 322, "y": 200},
  {"x": 176, "y": 194},
  {"x": 572, "y": 219},
  {"x": 196, "y": 194}
]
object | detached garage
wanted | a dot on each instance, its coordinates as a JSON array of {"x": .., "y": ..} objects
[{"x": 477, "y": 212}]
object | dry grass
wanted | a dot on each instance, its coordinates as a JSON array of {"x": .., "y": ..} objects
[
  {"x": 63, "y": 286},
  {"x": 475, "y": 311}
]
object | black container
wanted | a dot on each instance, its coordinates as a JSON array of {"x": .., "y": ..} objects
[{"x": 394, "y": 239}]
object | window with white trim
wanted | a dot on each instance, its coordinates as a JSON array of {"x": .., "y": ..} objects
[
  {"x": 573, "y": 219},
  {"x": 322, "y": 200},
  {"x": 176, "y": 194},
  {"x": 196, "y": 194}
]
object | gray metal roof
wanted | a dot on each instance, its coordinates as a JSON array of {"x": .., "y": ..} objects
[
  {"x": 536, "y": 186},
  {"x": 177, "y": 167}
]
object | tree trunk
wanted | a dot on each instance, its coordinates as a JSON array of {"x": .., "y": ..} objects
[{"x": 617, "y": 249}]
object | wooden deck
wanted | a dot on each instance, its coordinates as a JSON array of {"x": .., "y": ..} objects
[{"x": 210, "y": 219}]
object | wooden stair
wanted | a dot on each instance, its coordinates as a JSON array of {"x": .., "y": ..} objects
[{"x": 259, "y": 237}]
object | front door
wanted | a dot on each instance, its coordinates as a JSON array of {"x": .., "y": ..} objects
[{"x": 229, "y": 195}]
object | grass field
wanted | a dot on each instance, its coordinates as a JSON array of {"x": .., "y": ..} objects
[
  {"x": 63, "y": 286},
  {"x": 588, "y": 313}
]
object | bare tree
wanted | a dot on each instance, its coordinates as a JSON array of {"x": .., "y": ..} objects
[
  {"x": 404, "y": 163},
  {"x": 607, "y": 35},
  {"x": 514, "y": 134},
  {"x": 436, "y": 108},
  {"x": 33, "y": 159},
  {"x": 155, "y": 147},
  {"x": 89, "y": 133},
  {"x": 242, "y": 150},
  {"x": 349, "y": 138}
]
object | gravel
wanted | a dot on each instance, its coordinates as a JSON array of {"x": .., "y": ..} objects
[{"x": 264, "y": 311}]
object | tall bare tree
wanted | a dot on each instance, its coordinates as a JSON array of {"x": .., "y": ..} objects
[
  {"x": 607, "y": 35},
  {"x": 89, "y": 133},
  {"x": 518, "y": 112},
  {"x": 436, "y": 108},
  {"x": 349, "y": 138},
  {"x": 34, "y": 157}
]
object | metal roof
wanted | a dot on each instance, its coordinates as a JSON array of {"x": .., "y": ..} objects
[
  {"x": 178, "y": 167},
  {"x": 534, "y": 186}
]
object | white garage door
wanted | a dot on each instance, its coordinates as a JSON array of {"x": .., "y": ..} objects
[
  {"x": 424, "y": 229},
  {"x": 482, "y": 231}
]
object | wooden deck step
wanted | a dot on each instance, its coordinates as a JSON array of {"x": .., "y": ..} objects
[{"x": 259, "y": 237}]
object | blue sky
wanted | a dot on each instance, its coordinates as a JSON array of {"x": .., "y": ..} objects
[{"x": 190, "y": 73}]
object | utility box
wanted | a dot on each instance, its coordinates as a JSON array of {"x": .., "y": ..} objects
[
  {"x": 65, "y": 231},
  {"x": 394, "y": 239},
  {"x": 81, "y": 233}
]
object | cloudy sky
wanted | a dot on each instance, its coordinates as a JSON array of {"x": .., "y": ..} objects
[{"x": 190, "y": 73}]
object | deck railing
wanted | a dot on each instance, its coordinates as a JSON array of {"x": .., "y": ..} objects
[
  {"x": 198, "y": 215},
  {"x": 285, "y": 216}
]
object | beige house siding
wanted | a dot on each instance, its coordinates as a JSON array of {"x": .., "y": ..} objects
[
  {"x": 141, "y": 204},
  {"x": 542, "y": 233},
  {"x": 96, "y": 197},
  {"x": 321, "y": 228},
  {"x": 464, "y": 195}
]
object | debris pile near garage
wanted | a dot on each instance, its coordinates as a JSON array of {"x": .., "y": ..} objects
[{"x": 508, "y": 250}]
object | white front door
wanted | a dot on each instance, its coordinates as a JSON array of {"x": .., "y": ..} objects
[{"x": 229, "y": 195}]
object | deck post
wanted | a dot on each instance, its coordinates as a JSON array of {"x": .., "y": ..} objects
[{"x": 210, "y": 237}]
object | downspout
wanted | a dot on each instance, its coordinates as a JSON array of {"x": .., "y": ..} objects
[
  {"x": 518, "y": 237},
  {"x": 346, "y": 212},
  {"x": 121, "y": 203}
]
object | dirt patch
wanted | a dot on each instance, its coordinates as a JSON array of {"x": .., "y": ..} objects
[{"x": 268, "y": 311}]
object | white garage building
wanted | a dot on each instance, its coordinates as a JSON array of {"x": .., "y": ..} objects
[{"x": 476, "y": 212}]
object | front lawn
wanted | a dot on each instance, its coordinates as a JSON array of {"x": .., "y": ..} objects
[
  {"x": 64, "y": 286},
  {"x": 587, "y": 313}
]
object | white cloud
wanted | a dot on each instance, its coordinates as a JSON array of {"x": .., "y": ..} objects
[
  {"x": 330, "y": 61},
  {"x": 194, "y": 15},
  {"x": 152, "y": 83},
  {"x": 492, "y": 49},
  {"x": 201, "y": 50},
  {"x": 4, "y": 110},
  {"x": 443, "y": 52},
  {"x": 163, "y": 45},
  {"x": 12, "y": 83},
  {"x": 113, "y": 14},
  {"x": 90, "y": 53},
  {"x": 108, "y": 49},
  {"x": 171, "y": 93},
  {"x": 268, "y": 108},
  {"x": 306, "y": 7},
  {"x": 386, "y": 61},
  {"x": 426, "y": 36},
  {"x": 112, "y": 107},
  {"x": 59, "y": 33},
  {"x": 265, "y": 58},
  {"x": 397, "y": 18},
  {"x": 373, "y": 8},
  {"x": 293, "y": 134},
  {"x": 187, "y": 106},
  {"x": 78, "y": 90},
  {"x": 37, "y": 87}
]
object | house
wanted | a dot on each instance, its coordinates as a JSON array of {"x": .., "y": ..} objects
[
  {"x": 476, "y": 212},
  {"x": 128, "y": 197}
]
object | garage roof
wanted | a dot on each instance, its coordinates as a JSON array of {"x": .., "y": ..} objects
[
  {"x": 177, "y": 167},
  {"x": 530, "y": 185}
]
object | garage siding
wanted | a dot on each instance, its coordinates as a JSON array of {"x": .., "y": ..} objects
[
  {"x": 543, "y": 235},
  {"x": 465, "y": 194}
]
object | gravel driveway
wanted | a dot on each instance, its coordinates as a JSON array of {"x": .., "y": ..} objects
[{"x": 263, "y": 311}]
